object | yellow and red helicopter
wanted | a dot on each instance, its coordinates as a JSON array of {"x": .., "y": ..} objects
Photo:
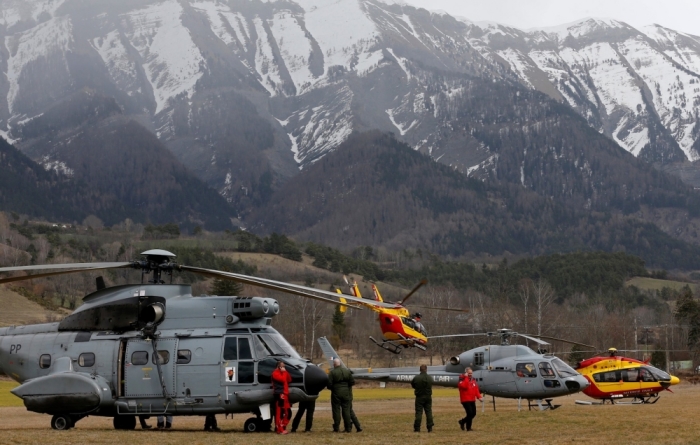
[
  {"x": 614, "y": 377},
  {"x": 400, "y": 328}
]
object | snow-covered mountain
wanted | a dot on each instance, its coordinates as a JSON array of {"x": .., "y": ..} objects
[
  {"x": 238, "y": 89},
  {"x": 641, "y": 87}
]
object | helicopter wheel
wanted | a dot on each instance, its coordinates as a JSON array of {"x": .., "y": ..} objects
[
  {"x": 62, "y": 422},
  {"x": 124, "y": 422},
  {"x": 253, "y": 425}
]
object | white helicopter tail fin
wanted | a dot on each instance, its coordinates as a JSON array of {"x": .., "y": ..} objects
[{"x": 329, "y": 352}]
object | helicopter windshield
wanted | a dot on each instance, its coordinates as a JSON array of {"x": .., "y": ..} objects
[
  {"x": 659, "y": 374},
  {"x": 563, "y": 369},
  {"x": 273, "y": 344}
]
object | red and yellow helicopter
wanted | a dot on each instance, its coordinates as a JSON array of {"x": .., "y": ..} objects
[
  {"x": 400, "y": 328},
  {"x": 614, "y": 377}
]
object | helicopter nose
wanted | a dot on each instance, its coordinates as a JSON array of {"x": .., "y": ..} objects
[
  {"x": 673, "y": 381},
  {"x": 577, "y": 383},
  {"x": 315, "y": 380}
]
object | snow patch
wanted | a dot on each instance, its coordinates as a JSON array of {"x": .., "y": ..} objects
[
  {"x": 341, "y": 28},
  {"x": 172, "y": 61},
  {"x": 55, "y": 35}
]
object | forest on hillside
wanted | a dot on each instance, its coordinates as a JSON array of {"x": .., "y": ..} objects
[{"x": 580, "y": 296}]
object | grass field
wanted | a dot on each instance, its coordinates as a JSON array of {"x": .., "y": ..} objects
[
  {"x": 387, "y": 417},
  {"x": 656, "y": 284}
]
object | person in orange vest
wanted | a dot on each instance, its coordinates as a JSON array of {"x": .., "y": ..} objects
[
  {"x": 468, "y": 394},
  {"x": 280, "y": 385}
]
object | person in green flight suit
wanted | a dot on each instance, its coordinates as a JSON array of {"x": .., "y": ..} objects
[
  {"x": 340, "y": 380},
  {"x": 423, "y": 389}
]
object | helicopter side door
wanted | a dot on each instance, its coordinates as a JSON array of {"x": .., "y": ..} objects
[
  {"x": 141, "y": 371},
  {"x": 526, "y": 378},
  {"x": 238, "y": 365}
]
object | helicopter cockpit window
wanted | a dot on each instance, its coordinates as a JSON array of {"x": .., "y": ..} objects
[
  {"x": 231, "y": 348},
  {"x": 646, "y": 376},
  {"x": 244, "y": 352},
  {"x": 659, "y": 374},
  {"x": 139, "y": 358},
  {"x": 526, "y": 370},
  {"x": 265, "y": 368},
  {"x": 163, "y": 357},
  {"x": 86, "y": 359},
  {"x": 184, "y": 356},
  {"x": 275, "y": 344},
  {"x": 546, "y": 370},
  {"x": 563, "y": 369},
  {"x": 45, "y": 361}
]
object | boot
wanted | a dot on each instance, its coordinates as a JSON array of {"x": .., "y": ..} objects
[
  {"x": 168, "y": 425},
  {"x": 461, "y": 424},
  {"x": 159, "y": 425}
]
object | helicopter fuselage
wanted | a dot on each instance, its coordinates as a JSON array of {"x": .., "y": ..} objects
[
  {"x": 214, "y": 355},
  {"x": 510, "y": 371}
]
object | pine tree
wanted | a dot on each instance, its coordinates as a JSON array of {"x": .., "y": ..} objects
[
  {"x": 226, "y": 288},
  {"x": 338, "y": 326}
]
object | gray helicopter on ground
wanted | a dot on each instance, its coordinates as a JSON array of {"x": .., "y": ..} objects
[
  {"x": 505, "y": 370},
  {"x": 152, "y": 348}
]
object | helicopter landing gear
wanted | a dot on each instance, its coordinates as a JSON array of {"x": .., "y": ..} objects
[
  {"x": 257, "y": 425},
  {"x": 391, "y": 347},
  {"x": 62, "y": 422},
  {"x": 124, "y": 422},
  {"x": 396, "y": 347}
]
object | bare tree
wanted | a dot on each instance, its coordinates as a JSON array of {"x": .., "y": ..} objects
[{"x": 543, "y": 296}]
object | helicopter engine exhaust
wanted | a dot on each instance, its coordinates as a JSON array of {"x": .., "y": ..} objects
[
  {"x": 454, "y": 360},
  {"x": 153, "y": 313}
]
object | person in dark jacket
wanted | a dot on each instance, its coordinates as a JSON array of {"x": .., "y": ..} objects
[
  {"x": 468, "y": 393},
  {"x": 423, "y": 389},
  {"x": 340, "y": 380},
  {"x": 308, "y": 407}
]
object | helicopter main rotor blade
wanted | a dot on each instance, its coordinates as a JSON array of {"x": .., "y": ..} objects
[
  {"x": 422, "y": 283},
  {"x": 272, "y": 285},
  {"x": 566, "y": 341},
  {"x": 459, "y": 335},
  {"x": 453, "y": 309},
  {"x": 68, "y": 268},
  {"x": 536, "y": 340}
]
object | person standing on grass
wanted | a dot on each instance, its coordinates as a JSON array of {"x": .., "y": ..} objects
[
  {"x": 423, "y": 389},
  {"x": 308, "y": 407},
  {"x": 468, "y": 394},
  {"x": 340, "y": 380},
  {"x": 280, "y": 385}
]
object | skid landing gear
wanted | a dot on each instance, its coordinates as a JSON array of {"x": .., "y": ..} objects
[{"x": 395, "y": 347}]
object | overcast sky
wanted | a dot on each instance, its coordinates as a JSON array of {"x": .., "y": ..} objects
[{"x": 681, "y": 15}]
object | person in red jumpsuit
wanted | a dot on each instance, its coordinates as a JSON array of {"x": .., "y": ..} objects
[
  {"x": 280, "y": 385},
  {"x": 468, "y": 394}
]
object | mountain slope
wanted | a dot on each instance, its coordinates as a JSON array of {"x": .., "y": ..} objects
[
  {"x": 87, "y": 141},
  {"x": 375, "y": 190},
  {"x": 640, "y": 87}
]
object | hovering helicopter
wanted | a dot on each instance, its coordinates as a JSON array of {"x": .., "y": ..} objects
[
  {"x": 614, "y": 377},
  {"x": 153, "y": 348},
  {"x": 505, "y": 370},
  {"x": 400, "y": 328}
]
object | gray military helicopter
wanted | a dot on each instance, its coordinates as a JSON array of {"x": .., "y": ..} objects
[
  {"x": 505, "y": 370},
  {"x": 153, "y": 348}
]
